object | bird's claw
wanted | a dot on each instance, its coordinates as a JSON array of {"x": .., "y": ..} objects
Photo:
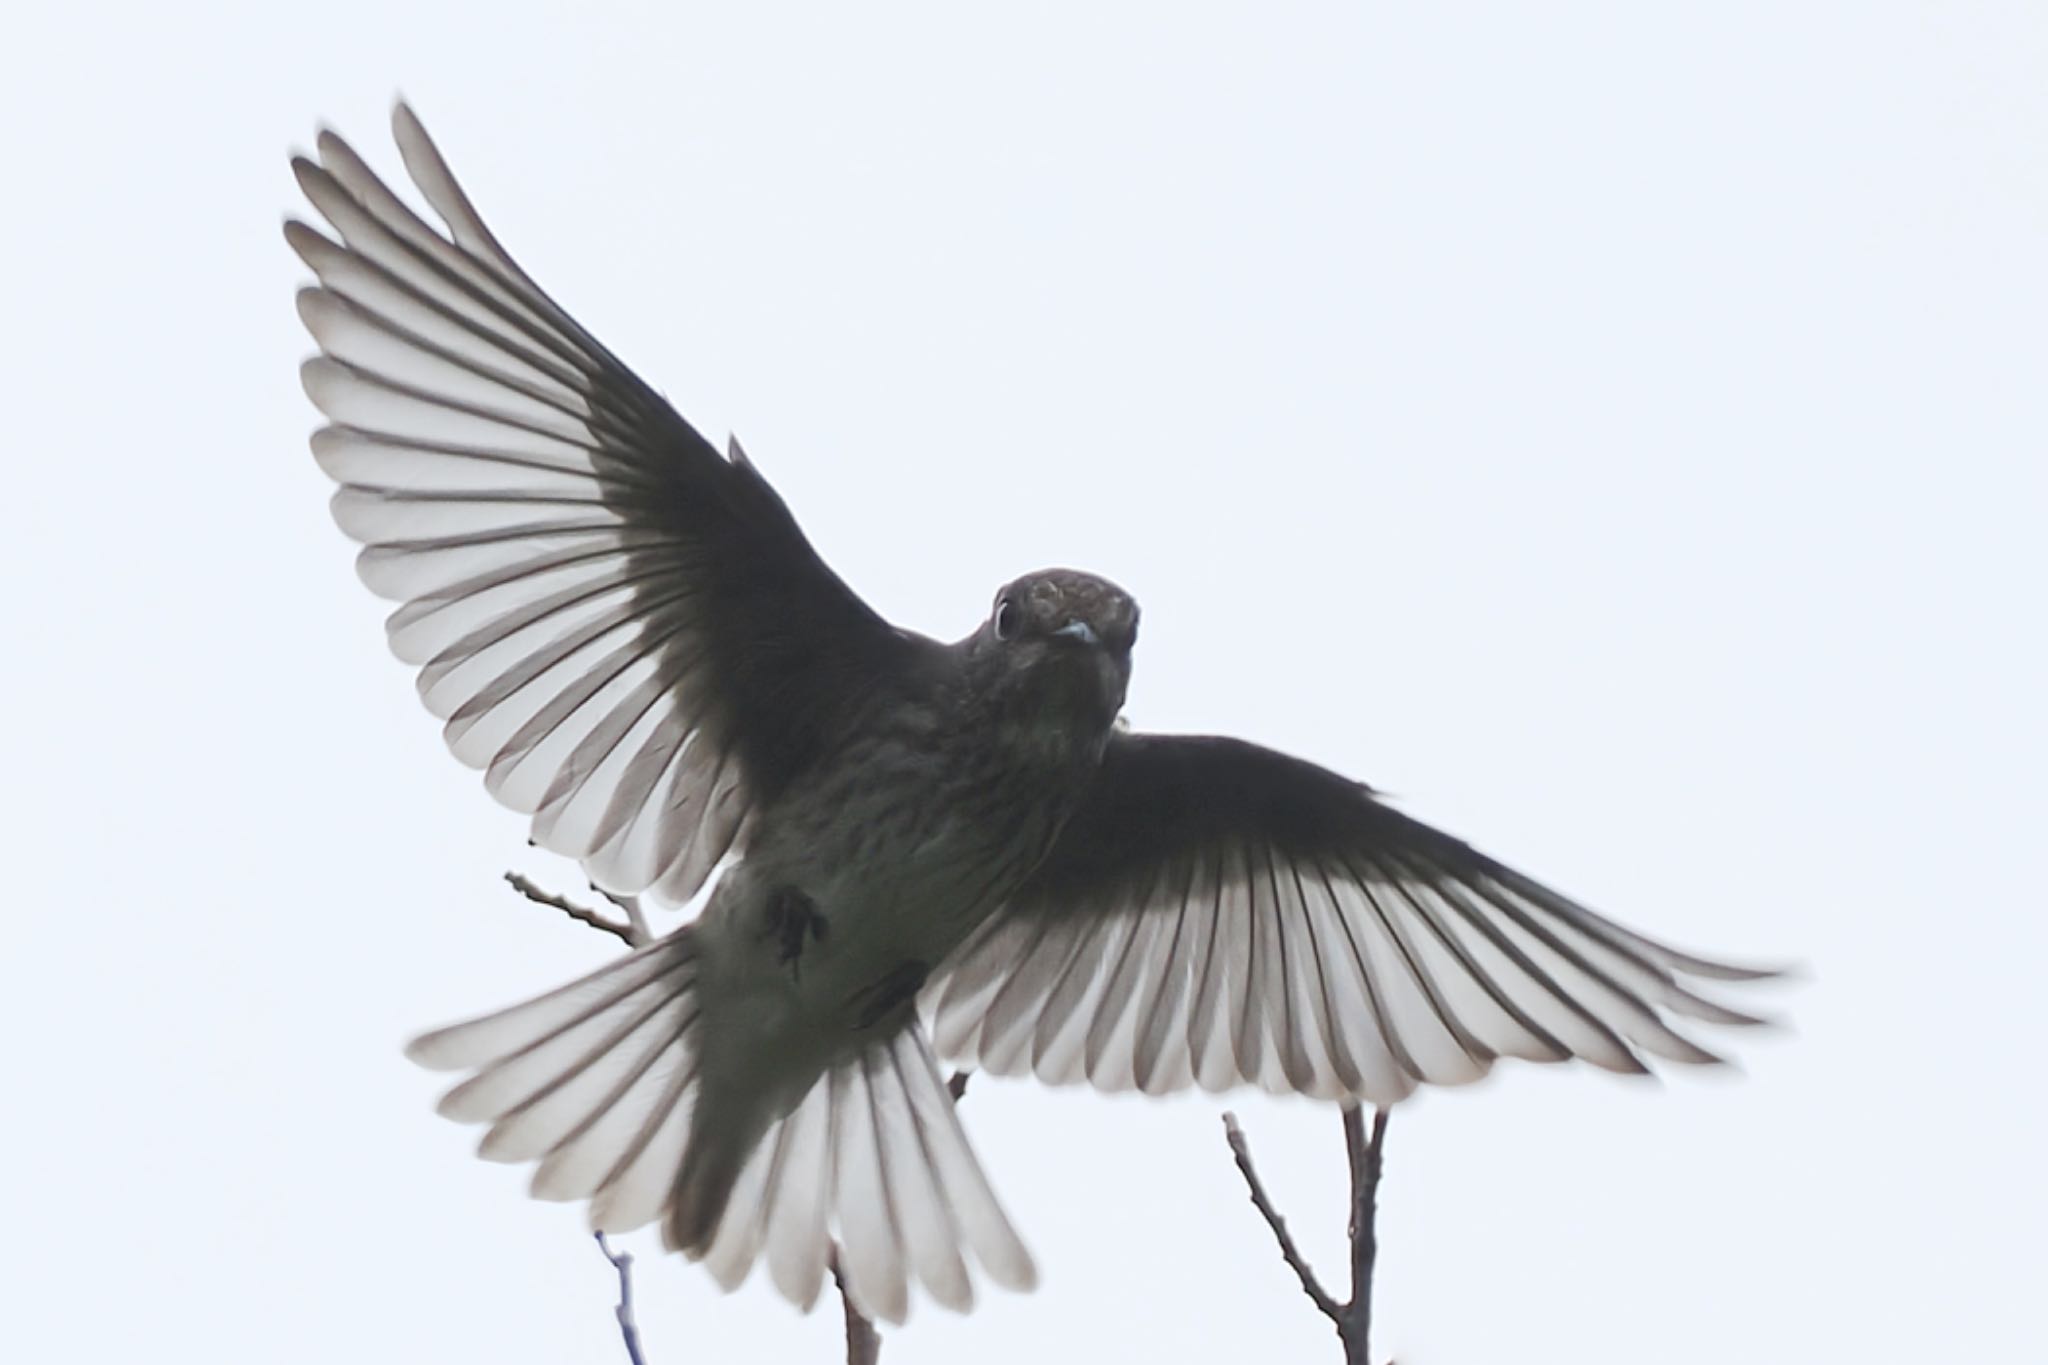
[{"x": 793, "y": 918}]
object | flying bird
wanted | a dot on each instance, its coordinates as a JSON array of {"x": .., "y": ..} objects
[{"x": 929, "y": 850}]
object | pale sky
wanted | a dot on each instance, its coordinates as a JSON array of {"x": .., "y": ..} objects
[{"x": 1618, "y": 432}]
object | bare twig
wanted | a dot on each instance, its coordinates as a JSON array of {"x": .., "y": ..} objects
[
  {"x": 636, "y": 921},
  {"x": 1364, "y": 1154},
  {"x": 863, "y": 1342},
  {"x": 628, "y": 1329},
  {"x": 1353, "y": 1318},
  {"x": 1289, "y": 1253},
  {"x": 633, "y": 933}
]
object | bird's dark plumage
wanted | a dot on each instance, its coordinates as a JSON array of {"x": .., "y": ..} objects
[{"x": 630, "y": 634}]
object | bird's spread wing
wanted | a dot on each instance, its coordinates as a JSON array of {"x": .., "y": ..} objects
[
  {"x": 1217, "y": 913},
  {"x": 626, "y": 630}
]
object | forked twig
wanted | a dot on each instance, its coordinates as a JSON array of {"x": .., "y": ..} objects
[
  {"x": 629, "y": 1330},
  {"x": 1289, "y": 1253},
  {"x": 1353, "y": 1317},
  {"x": 632, "y": 933},
  {"x": 863, "y": 1342}
]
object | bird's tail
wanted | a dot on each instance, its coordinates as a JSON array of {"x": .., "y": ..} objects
[{"x": 599, "y": 1082}]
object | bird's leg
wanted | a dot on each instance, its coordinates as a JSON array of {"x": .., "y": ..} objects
[
  {"x": 899, "y": 986},
  {"x": 792, "y": 917}
]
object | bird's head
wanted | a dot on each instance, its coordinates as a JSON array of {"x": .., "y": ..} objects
[{"x": 1064, "y": 639}]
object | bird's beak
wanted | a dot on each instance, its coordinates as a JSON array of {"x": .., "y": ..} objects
[{"x": 1078, "y": 630}]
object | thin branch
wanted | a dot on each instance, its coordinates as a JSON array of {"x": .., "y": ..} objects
[
  {"x": 1364, "y": 1156},
  {"x": 863, "y": 1342},
  {"x": 628, "y": 1329},
  {"x": 1289, "y": 1253},
  {"x": 633, "y": 933},
  {"x": 1353, "y": 1318},
  {"x": 631, "y": 905}
]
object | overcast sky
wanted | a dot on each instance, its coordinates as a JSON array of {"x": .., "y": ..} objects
[{"x": 1618, "y": 433}]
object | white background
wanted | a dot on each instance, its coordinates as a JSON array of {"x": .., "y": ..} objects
[{"x": 1617, "y": 431}]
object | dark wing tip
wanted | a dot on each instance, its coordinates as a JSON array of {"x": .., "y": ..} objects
[
  {"x": 406, "y": 126},
  {"x": 331, "y": 145},
  {"x": 307, "y": 301},
  {"x": 1756, "y": 1021},
  {"x": 305, "y": 240},
  {"x": 1717, "y": 970}
]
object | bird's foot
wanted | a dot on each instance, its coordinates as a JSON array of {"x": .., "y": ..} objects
[{"x": 792, "y": 919}]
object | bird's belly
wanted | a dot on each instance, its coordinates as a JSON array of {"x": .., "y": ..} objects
[
  {"x": 843, "y": 918},
  {"x": 882, "y": 915}
]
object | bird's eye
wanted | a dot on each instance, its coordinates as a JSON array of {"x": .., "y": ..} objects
[{"x": 1006, "y": 620}]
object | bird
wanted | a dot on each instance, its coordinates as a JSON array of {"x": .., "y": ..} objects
[{"x": 915, "y": 851}]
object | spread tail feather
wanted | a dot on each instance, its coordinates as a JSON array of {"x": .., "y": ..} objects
[
  {"x": 598, "y": 1082},
  {"x": 876, "y": 1156}
]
